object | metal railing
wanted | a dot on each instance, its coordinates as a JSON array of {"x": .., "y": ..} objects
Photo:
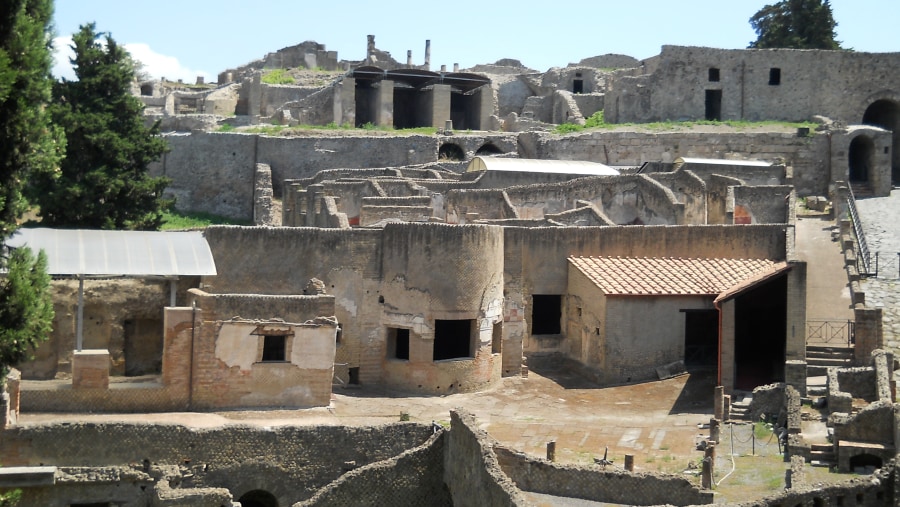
[
  {"x": 821, "y": 331},
  {"x": 862, "y": 259}
]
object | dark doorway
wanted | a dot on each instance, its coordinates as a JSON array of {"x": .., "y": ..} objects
[
  {"x": 886, "y": 114},
  {"x": 407, "y": 108},
  {"x": 462, "y": 111},
  {"x": 366, "y": 94},
  {"x": 701, "y": 338},
  {"x": 760, "y": 336},
  {"x": 452, "y": 339},
  {"x": 865, "y": 460},
  {"x": 398, "y": 343},
  {"x": 497, "y": 338},
  {"x": 258, "y": 498},
  {"x": 577, "y": 86},
  {"x": 546, "y": 314},
  {"x": 861, "y": 159},
  {"x": 714, "y": 105},
  {"x": 143, "y": 346}
]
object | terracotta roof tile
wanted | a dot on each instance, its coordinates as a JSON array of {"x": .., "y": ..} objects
[{"x": 653, "y": 276}]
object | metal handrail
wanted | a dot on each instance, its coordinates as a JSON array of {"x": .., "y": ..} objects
[{"x": 859, "y": 233}]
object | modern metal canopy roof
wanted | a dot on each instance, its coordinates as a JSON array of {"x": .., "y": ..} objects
[
  {"x": 527, "y": 165},
  {"x": 418, "y": 78},
  {"x": 119, "y": 253}
]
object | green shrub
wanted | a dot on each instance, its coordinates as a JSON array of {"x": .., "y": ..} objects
[{"x": 277, "y": 77}]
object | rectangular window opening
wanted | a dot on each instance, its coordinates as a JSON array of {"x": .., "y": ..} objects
[
  {"x": 398, "y": 343},
  {"x": 713, "y": 75},
  {"x": 274, "y": 348},
  {"x": 774, "y": 76},
  {"x": 546, "y": 314},
  {"x": 452, "y": 339}
]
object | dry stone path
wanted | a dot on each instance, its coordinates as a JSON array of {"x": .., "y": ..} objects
[{"x": 881, "y": 222}]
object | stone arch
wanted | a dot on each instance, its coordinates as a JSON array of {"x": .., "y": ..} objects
[
  {"x": 451, "y": 151},
  {"x": 258, "y": 498},
  {"x": 489, "y": 149},
  {"x": 865, "y": 460},
  {"x": 885, "y": 113},
  {"x": 861, "y": 158}
]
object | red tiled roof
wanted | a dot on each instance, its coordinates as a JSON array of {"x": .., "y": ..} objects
[{"x": 654, "y": 276}]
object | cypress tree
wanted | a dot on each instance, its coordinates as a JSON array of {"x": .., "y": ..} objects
[{"x": 104, "y": 181}]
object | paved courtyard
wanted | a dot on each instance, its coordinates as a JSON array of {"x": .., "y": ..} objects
[{"x": 881, "y": 222}]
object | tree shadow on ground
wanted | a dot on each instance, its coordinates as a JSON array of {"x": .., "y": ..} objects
[{"x": 697, "y": 395}]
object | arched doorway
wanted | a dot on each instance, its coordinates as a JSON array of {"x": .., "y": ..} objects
[
  {"x": 452, "y": 152},
  {"x": 886, "y": 114},
  {"x": 862, "y": 150},
  {"x": 488, "y": 149},
  {"x": 258, "y": 498},
  {"x": 865, "y": 460}
]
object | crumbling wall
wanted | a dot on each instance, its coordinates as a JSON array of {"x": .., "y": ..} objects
[
  {"x": 688, "y": 190},
  {"x": 761, "y": 204},
  {"x": 471, "y": 465},
  {"x": 292, "y": 463},
  {"x": 595, "y": 484},
  {"x": 785, "y": 84},
  {"x": 809, "y": 156},
  {"x": 415, "y": 477}
]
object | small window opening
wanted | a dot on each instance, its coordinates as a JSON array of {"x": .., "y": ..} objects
[
  {"x": 452, "y": 339},
  {"x": 497, "y": 338},
  {"x": 546, "y": 314},
  {"x": 887, "y": 149},
  {"x": 774, "y": 76},
  {"x": 713, "y": 75},
  {"x": 147, "y": 90},
  {"x": 398, "y": 343},
  {"x": 274, "y": 348},
  {"x": 353, "y": 372}
]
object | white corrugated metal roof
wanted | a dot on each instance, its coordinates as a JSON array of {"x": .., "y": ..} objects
[
  {"x": 528, "y": 165},
  {"x": 721, "y": 161},
  {"x": 119, "y": 253}
]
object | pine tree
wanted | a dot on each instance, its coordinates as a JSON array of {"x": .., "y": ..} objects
[
  {"x": 29, "y": 146},
  {"x": 795, "y": 24},
  {"x": 104, "y": 181},
  {"x": 26, "y": 307}
]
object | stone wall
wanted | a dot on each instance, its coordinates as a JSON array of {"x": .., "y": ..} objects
[
  {"x": 292, "y": 463},
  {"x": 414, "y": 477},
  {"x": 810, "y": 157},
  {"x": 598, "y": 485},
  {"x": 471, "y": 465},
  {"x": 762, "y": 204},
  {"x": 675, "y": 88}
]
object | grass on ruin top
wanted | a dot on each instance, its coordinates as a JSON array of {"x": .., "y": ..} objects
[
  {"x": 596, "y": 122},
  {"x": 285, "y": 130},
  {"x": 175, "y": 220}
]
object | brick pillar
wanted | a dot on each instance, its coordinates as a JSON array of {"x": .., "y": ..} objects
[
  {"x": 726, "y": 373},
  {"x": 440, "y": 105},
  {"x": 344, "y": 107},
  {"x": 90, "y": 369},
  {"x": 384, "y": 104},
  {"x": 795, "y": 376},
  {"x": 868, "y": 334},
  {"x": 795, "y": 331}
]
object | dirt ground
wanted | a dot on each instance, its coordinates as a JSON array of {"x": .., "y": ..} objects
[{"x": 656, "y": 422}]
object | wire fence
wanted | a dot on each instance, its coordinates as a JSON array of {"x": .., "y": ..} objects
[{"x": 885, "y": 265}]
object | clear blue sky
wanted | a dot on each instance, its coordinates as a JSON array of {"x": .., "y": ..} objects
[{"x": 187, "y": 38}]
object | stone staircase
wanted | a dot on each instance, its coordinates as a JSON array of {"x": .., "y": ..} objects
[
  {"x": 861, "y": 189},
  {"x": 822, "y": 455},
  {"x": 820, "y": 357},
  {"x": 740, "y": 406}
]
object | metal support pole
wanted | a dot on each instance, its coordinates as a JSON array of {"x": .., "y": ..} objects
[
  {"x": 79, "y": 329},
  {"x": 172, "y": 291}
]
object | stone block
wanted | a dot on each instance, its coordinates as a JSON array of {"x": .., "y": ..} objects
[{"x": 90, "y": 369}]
